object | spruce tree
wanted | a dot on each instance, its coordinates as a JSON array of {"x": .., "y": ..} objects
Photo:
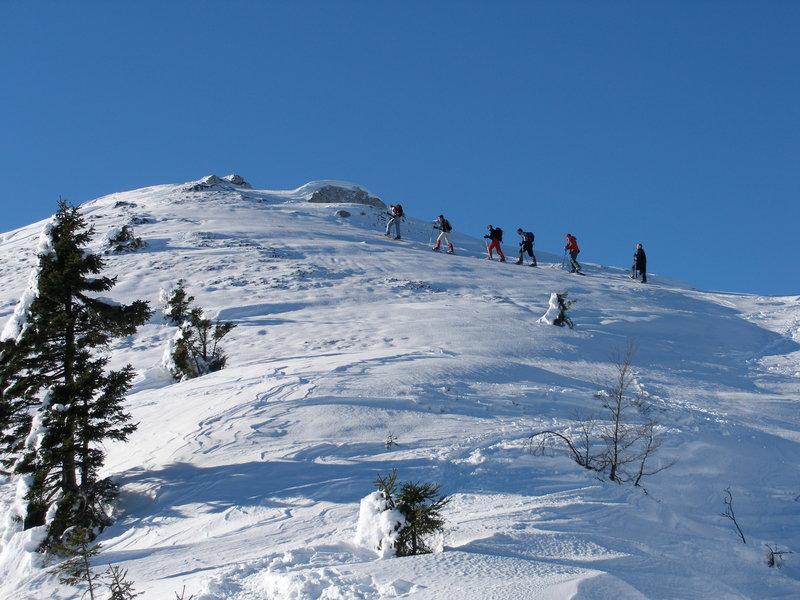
[{"x": 57, "y": 367}]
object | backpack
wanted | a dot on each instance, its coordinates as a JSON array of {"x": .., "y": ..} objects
[
  {"x": 446, "y": 226},
  {"x": 498, "y": 234},
  {"x": 527, "y": 236},
  {"x": 398, "y": 210}
]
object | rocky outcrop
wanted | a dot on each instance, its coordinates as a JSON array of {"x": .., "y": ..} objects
[
  {"x": 331, "y": 194},
  {"x": 210, "y": 182}
]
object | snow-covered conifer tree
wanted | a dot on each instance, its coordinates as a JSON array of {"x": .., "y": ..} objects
[{"x": 56, "y": 366}]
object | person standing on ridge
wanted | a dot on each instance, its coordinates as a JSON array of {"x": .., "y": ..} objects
[
  {"x": 396, "y": 213},
  {"x": 444, "y": 227},
  {"x": 526, "y": 245},
  {"x": 640, "y": 262},
  {"x": 572, "y": 248},
  {"x": 496, "y": 236}
]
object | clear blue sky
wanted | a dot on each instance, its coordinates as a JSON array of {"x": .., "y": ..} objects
[{"x": 675, "y": 124}]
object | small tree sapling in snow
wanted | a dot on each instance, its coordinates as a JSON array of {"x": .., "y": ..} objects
[
  {"x": 76, "y": 547},
  {"x": 775, "y": 556},
  {"x": 176, "y": 303},
  {"x": 409, "y": 514},
  {"x": 729, "y": 514},
  {"x": 119, "y": 586},
  {"x": 391, "y": 440},
  {"x": 195, "y": 349},
  {"x": 557, "y": 310},
  {"x": 378, "y": 525},
  {"x": 122, "y": 240},
  {"x": 622, "y": 439}
]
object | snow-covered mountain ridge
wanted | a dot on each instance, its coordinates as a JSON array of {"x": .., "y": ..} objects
[{"x": 245, "y": 483}]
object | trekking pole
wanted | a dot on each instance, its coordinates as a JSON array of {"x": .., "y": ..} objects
[
  {"x": 487, "y": 248},
  {"x": 564, "y": 260},
  {"x": 430, "y": 236}
]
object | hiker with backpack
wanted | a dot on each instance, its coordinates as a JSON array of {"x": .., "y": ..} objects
[
  {"x": 526, "y": 245},
  {"x": 395, "y": 214},
  {"x": 640, "y": 263},
  {"x": 495, "y": 236},
  {"x": 444, "y": 227},
  {"x": 572, "y": 248}
]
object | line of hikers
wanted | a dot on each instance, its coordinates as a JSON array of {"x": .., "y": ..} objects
[{"x": 495, "y": 236}]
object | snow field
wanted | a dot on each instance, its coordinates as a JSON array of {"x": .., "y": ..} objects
[{"x": 246, "y": 483}]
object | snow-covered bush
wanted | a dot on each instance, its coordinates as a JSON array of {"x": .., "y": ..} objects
[
  {"x": 400, "y": 519},
  {"x": 195, "y": 349},
  {"x": 557, "y": 310},
  {"x": 122, "y": 240},
  {"x": 378, "y": 525},
  {"x": 176, "y": 303}
]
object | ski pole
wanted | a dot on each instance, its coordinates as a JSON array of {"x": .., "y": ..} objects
[
  {"x": 430, "y": 236},
  {"x": 564, "y": 260}
]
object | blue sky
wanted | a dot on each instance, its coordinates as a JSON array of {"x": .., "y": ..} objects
[{"x": 674, "y": 124}]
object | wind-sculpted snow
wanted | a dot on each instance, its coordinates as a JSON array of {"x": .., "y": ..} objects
[{"x": 355, "y": 354}]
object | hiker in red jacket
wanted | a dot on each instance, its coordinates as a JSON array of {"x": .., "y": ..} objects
[{"x": 572, "y": 248}]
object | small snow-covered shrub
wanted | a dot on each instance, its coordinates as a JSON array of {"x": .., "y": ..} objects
[
  {"x": 195, "y": 349},
  {"x": 557, "y": 310},
  {"x": 378, "y": 525},
  {"x": 775, "y": 556},
  {"x": 176, "y": 303},
  {"x": 122, "y": 240},
  {"x": 401, "y": 519}
]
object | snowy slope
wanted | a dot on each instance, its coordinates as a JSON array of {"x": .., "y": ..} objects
[{"x": 246, "y": 483}]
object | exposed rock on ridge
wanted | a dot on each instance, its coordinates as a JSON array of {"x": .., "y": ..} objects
[
  {"x": 331, "y": 194},
  {"x": 213, "y": 182}
]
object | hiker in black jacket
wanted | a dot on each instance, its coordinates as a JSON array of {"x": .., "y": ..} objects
[
  {"x": 640, "y": 263},
  {"x": 526, "y": 245}
]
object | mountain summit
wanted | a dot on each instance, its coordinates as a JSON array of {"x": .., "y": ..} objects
[{"x": 355, "y": 354}]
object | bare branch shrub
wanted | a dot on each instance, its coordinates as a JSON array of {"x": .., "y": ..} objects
[
  {"x": 729, "y": 514},
  {"x": 775, "y": 556},
  {"x": 626, "y": 432}
]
